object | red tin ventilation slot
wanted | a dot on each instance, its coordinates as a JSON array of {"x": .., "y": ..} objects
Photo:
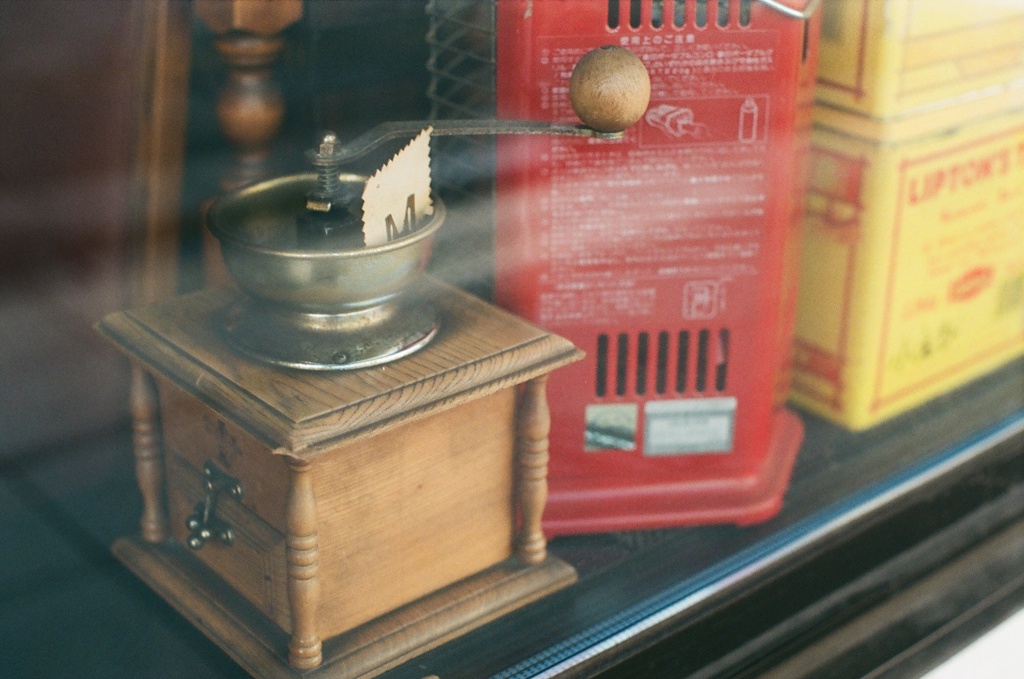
[
  {"x": 653, "y": 363},
  {"x": 683, "y": 13}
]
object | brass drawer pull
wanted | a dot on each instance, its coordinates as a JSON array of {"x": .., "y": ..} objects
[{"x": 203, "y": 524}]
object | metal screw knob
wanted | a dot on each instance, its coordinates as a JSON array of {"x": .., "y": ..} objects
[{"x": 328, "y": 186}]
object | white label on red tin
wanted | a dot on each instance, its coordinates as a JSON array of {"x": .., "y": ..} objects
[{"x": 689, "y": 426}]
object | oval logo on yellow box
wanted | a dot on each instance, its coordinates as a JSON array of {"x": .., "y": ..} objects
[{"x": 971, "y": 284}]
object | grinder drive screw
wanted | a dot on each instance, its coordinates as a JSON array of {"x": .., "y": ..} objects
[{"x": 328, "y": 186}]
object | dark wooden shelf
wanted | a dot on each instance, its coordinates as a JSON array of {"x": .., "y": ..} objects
[{"x": 876, "y": 529}]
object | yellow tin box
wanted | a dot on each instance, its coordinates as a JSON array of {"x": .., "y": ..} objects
[
  {"x": 912, "y": 277},
  {"x": 886, "y": 58}
]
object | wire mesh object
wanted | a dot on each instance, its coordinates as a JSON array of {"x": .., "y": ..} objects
[{"x": 461, "y": 38}]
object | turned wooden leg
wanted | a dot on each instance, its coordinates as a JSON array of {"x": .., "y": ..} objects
[
  {"x": 149, "y": 463},
  {"x": 304, "y": 650},
  {"x": 250, "y": 107},
  {"x": 533, "y": 426}
]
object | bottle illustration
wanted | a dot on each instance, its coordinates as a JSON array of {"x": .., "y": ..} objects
[{"x": 748, "y": 121}]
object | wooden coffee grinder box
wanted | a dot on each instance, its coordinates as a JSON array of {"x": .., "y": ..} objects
[{"x": 340, "y": 520}]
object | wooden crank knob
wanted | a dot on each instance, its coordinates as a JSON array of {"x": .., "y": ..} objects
[{"x": 609, "y": 88}]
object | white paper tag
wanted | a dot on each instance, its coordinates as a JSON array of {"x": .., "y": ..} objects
[{"x": 396, "y": 199}]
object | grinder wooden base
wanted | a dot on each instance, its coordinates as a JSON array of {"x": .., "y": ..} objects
[
  {"x": 336, "y": 524},
  {"x": 256, "y": 643}
]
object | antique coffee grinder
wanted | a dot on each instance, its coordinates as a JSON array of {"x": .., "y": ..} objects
[
  {"x": 326, "y": 288},
  {"x": 352, "y": 460}
]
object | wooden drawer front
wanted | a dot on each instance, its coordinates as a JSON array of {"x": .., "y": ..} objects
[
  {"x": 193, "y": 432},
  {"x": 254, "y": 564},
  {"x": 414, "y": 509}
]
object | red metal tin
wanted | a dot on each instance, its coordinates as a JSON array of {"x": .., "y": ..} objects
[{"x": 669, "y": 257}]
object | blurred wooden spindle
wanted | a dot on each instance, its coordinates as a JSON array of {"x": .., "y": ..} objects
[{"x": 250, "y": 107}]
